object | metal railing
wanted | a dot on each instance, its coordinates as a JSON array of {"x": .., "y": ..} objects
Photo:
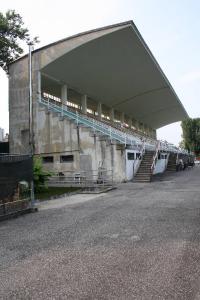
[
  {"x": 95, "y": 125},
  {"x": 142, "y": 152},
  {"x": 155, "y": 157},
  {"x": 100, "y": 178},
  {"x": 103, "y": 128},
  {"x": 7, "y": 208}
]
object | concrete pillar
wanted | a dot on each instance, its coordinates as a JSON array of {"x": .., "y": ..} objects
[
  {"x": 154, "y": 133},
  {"x": 129, "y": 122},
  {"x": 143, "y": 127},
  {"x": 64, "y": 94},
  {"x": 122, "y": 117},
  {"x": 137, "y": 126},
  {"x": 99, "y": 110},
  {"x": 84, "y": 104},
  {"x": 39, "y": 86},
  {"x": 140, "y": 126},
  {"x": 112, "y": 114}
]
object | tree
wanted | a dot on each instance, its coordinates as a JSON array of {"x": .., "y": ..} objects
[
  {"x": 12, "y": 33},
  {"x": 40, "y": 176},
  {"x": 191, "y": 135}
]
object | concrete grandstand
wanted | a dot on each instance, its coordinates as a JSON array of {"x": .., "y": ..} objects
[{"x": 98, "y": 98}]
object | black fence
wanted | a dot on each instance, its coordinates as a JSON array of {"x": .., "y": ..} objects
[
  {"x": 4, "y": 147},
  {"x": 16, "y": 174}
]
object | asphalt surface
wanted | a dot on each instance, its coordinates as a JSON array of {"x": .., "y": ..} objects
[{"x": 141, "y": 241}]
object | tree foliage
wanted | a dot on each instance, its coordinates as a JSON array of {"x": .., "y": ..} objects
[
  {"x": 40, "y": 176},
  {"x": 191, "y": 135},
  {"x": 12, "y": 32}
]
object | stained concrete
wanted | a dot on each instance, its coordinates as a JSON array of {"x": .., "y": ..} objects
[{"x": 141, "y": 241}]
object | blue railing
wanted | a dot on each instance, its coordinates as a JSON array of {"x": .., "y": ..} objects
[
  {"x": 95, "y": 125},
  {"x": 107, "y": 130}
]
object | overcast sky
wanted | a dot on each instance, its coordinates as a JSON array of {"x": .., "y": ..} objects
[{"x": 170, "y": 28}]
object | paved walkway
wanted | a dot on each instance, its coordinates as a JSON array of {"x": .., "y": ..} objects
[{"x": 141, "y": 241}]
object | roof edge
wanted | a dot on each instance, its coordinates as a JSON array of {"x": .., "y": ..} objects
[
  {"x": 130, "y": 22},
  {"x": 157, "y": 65}
]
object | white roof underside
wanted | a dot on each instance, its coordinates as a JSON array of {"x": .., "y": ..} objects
[{"x": 118, "y": 69}]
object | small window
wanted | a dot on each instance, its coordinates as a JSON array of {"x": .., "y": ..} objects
[
  {"x": 47, "y": 159},
  {"x": 138, "y": 155},
  {"x": 66, "y": 158},
  {"x": 131, "y": 156}
]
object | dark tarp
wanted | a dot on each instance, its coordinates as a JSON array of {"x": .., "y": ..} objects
[{"x": 12, "y": 170}]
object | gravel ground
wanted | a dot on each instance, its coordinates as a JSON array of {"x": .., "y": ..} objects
[{"x": 141, "y": 241}]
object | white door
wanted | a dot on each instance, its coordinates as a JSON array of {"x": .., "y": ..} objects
[{"x": 130, "y": 156}]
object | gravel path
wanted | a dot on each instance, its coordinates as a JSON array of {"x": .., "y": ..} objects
[{"x": 141, "y": 241}]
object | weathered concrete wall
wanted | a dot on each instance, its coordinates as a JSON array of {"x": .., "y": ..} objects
[
  {"x": 161, "y": 164},
  {"x": 58, "y": 136},
  {"x": 19, "y": 107}
]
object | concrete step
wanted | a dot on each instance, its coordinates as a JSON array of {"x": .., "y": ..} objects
[
  {"x": 144, "y": 180},
  {"x": 143, "y": 176}
]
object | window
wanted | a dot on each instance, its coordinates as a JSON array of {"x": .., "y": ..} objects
[
  {"x": 66, "y": 158},
  {"x": 138, "y": 155},
  {"x": 47, "y": 159},
  {"x": 131, "y": 156}
]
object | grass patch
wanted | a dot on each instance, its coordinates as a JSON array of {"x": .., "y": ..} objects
[{"x": 54, "y": 191}]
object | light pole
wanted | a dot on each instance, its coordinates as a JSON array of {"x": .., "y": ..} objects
[{"x": 30, "y": 44}]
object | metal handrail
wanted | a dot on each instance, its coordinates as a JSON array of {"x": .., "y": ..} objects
[
  {"x": 142, "y": 152},
  {"x": 113, "y": 133},
  {"x": 155, "y": 157},
  {"x": 98, "y": 126}
]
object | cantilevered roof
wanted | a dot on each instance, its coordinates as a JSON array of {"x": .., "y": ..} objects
[{"x": 115, "y": 67}]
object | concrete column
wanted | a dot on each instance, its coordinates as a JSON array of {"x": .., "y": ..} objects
[
  {"x": 84, "y": 104},
  {"x": 140, "y": 126},
  {"x": 122, "y": 117},
  {"x": 39, "y": 86},
  {"x": 99, "y": 110},
  {"x": 143, "y": 128},
  {"x": 155, "y": 133},
  {"x": 147, "y": 130},
  {"x": 130, "y": 122},
  {"x": 64, "y": 94},
  {"x": 112, "y": 114},
  {"x": 136, "y": 124}
]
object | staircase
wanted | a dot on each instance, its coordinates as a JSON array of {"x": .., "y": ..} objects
[
  {"x": 144, "y": 172},
  {"x": 171, "y": 166}
]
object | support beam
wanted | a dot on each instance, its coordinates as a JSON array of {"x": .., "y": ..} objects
[
  {"x": 99, "y": 110},
  {"x": 129, "y": 122},
  {"x": 137, "y": 125},
  {"x": 84, "y": 104},
  {"x": 112, "y": 114},
  {"x": 64, "y": 94},
  {"x": 122, "y": 117},
  {"x": 134, "y": 124}
]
